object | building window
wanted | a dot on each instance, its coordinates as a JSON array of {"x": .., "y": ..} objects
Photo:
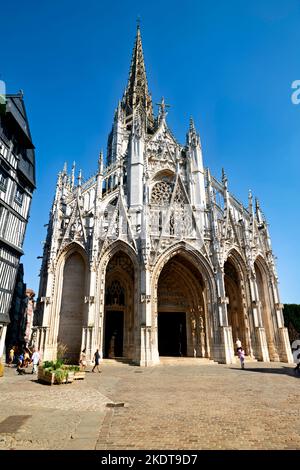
[
  {"x": 3, "y": 181},
  {"x": 19, "y": 196}
]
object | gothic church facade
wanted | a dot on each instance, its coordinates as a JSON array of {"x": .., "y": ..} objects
[{"x": 152, "y": 256}]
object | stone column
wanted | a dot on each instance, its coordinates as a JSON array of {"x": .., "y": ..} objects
[
  {"x": 91, "y": 298},
  {"x": 44, "y": 338},
  {"x": 87, "y": 342},
  {"x": 146, "y": 353},
  {"x": 2, "y": 340},
  {"x": 284, "y": 347},
  {"x": 285, "y": 352},
  {"x": 224, "y": 351},
  {"x": 228, "y": 356},
  {"x": 148, "y": 347},
  {"x": 261, "y": 348},
  {"x": 222, "y": 299},
  {"x": 47, "y": 310}
]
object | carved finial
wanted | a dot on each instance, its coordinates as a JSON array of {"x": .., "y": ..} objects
[
  {"x": 257, "y": 205},
  {"x": 73, "y": 174},
  {"x": 192, "y": 137},
  {"x": 65, "y": 169},
  {"x": 259, "y": 214},
  {"x": 79, "y": 178},
  {"x": 100, "y": 162},
  {"x": 250, "y": 199},
  {"x": 208, "y": 175},
  {"x": 224, "y": 178}
]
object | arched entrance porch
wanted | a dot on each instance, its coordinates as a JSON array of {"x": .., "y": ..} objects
[
  {"x": 118, "y": 340},
  {"x": 181, "y": 311},
  {"x": 237, "y": 317}
]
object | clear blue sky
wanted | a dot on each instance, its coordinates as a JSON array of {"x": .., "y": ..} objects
[{"x": 229, "y": 64}]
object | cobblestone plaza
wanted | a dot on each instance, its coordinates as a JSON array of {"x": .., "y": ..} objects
[{"x": 182, "y": 404}]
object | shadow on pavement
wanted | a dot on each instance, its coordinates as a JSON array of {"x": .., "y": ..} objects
[
  {"x": 120, "y": 360},
  {"x": 280, "y": 371}
]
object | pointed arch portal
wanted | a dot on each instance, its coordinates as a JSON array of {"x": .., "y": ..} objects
[
  {"x": 236, "y": 317},
  {"x": 181, "y": 319},
  {"x": 119, "y": 308}
]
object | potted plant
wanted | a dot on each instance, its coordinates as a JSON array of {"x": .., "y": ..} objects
[{"x": 55, "y": 372}]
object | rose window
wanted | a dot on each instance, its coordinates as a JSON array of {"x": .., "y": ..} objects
[{"x": 161, "y": 193}]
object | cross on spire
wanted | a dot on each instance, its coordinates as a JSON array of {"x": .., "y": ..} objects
[
  {"x": 163, "y": 105},
  {"x": 162, "y": 108}
]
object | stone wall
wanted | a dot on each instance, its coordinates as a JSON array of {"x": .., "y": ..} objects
[{"x": 72, "y": 304}]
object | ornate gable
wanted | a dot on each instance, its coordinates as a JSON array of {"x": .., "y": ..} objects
[
  {"x": 162, "y": 149},
  {"x": 119, "y": 227},
  {"x": 75, "y": 230}
]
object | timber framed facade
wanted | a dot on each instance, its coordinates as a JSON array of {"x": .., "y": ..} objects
[{"x": 17, "y": 183}]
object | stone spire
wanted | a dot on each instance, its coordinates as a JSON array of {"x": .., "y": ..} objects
[{"x": 136, "y": 94}]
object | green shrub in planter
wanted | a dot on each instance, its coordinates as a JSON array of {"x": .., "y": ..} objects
[{"x": 60, "y": 376}]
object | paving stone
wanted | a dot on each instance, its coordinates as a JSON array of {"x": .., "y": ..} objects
[{"x": 173, "y": 406}]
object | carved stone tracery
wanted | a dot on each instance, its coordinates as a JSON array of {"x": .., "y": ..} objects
[{"x": 161, "y": 193}]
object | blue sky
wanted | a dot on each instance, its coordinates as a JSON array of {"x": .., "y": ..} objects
[{"x": 229, "y": 64}]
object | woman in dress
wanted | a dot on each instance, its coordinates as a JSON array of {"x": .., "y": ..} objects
[{"x": 82, "y": 361}]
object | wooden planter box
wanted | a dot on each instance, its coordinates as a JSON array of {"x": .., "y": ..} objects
[
  {"x": 49, "y": 377},
  {"x": 79, "y": 375}
]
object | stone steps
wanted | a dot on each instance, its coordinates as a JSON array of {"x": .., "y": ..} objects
[
  {"x": 116, "y": 361},
  {"x": 163, "y": 360},
  {"x": 170, "y": 360}
]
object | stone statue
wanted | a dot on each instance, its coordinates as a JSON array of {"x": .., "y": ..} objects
[{"x": 202, "y": 337}]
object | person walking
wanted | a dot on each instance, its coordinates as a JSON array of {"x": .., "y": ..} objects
[
  {"x": 20, "y": 369},
  {"x": 35, "y": 359},
  {"x": 82, "y": 361},
  {"x": 11, "y": 356},
  {"x": 26, "y": 358},
  {"x": 97, "y": 361},
  {"x": 241, "y": 355},
  {"x": 238, "y": 344}
]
